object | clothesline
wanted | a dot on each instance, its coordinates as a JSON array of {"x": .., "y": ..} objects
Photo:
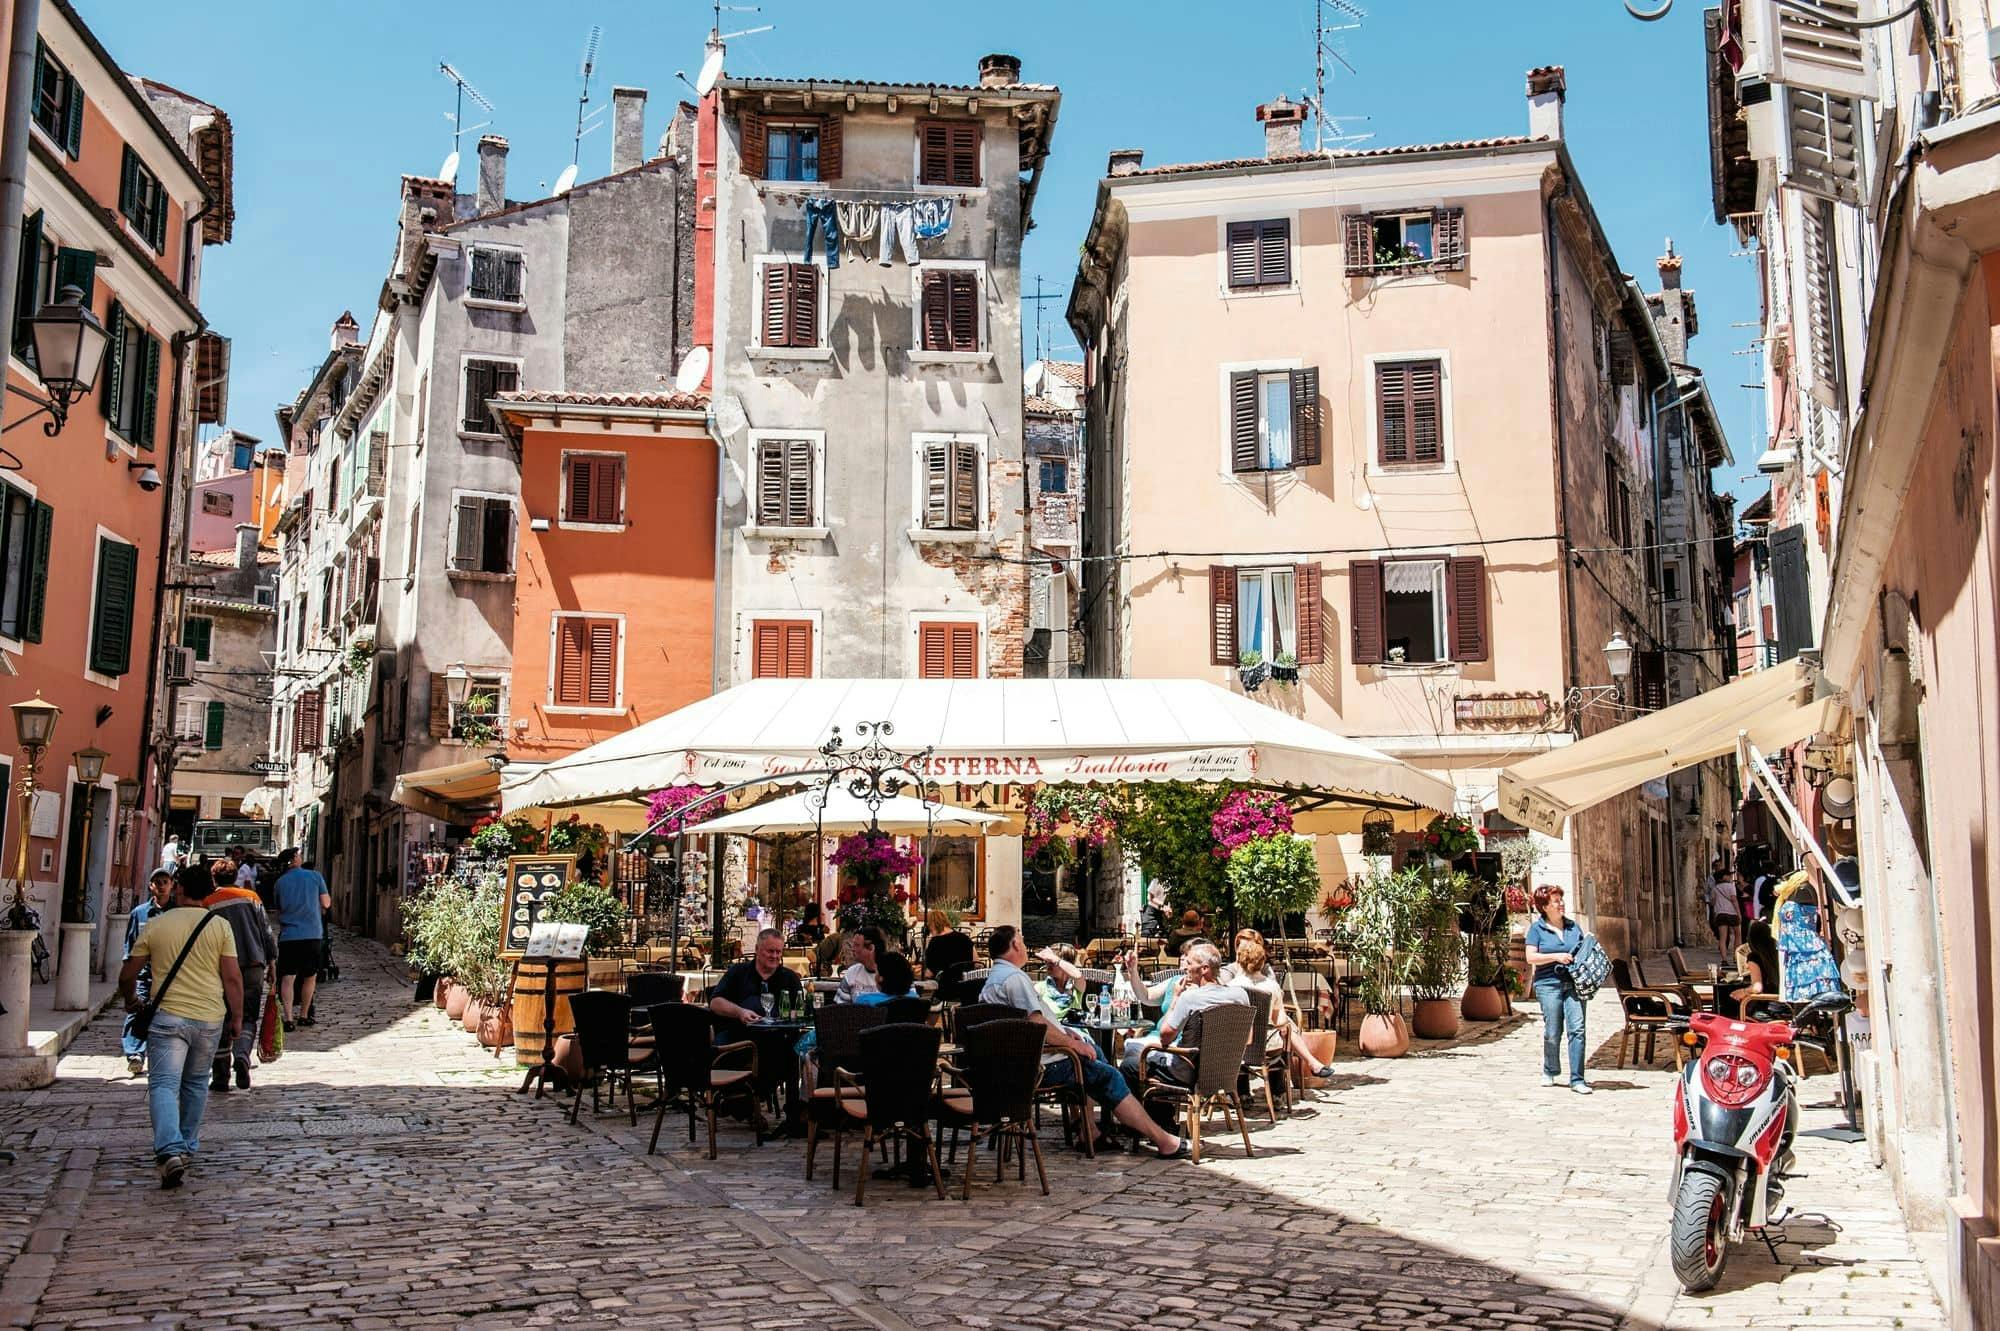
[{"x": 874, "y": 195}]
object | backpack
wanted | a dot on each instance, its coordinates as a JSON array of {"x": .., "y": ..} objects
[{"x": 1588, "y": 967}]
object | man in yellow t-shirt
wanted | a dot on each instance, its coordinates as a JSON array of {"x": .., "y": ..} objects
[{"x": 199, "y": 1005}]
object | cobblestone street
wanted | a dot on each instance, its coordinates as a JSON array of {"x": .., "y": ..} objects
[{"x": 382, "y": 1174}]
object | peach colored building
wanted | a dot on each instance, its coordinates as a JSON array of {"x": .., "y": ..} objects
[{"x": 1385, "y": 417}]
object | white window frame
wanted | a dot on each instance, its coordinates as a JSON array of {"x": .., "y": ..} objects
[
  {"x": 919, "y": 356},
  {"x": 1291, "y": 217},
  {"x": 1446, "y": 434},
  {"x": 1224, "y": 458},
  {"x": 919, "y": 618},
  {"x": 823, "y": 350},
  {"x": 549, "y": 703},
  {"x": 513, "y": 538},
  {"x": 1263, "y": 572},
  {"x": 746, "y": 638},
  {"x": 624, "y": 489},
  {"x": 96, "y": 552},
  {"x": 489, "y": 303},
  {"x": 820, "y": 528},
  {"x": 195, "y": 705},
  {"x": 465, "y": 358},
  {"x": 919, "y": 442},
  {"x": 917, "y": 157},
  {"x": 1440, "y": 610}
]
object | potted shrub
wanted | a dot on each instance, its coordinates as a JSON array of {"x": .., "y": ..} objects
[
  {"x": 1252, "y": 670},
  {"x": 587, "y": 903},
  {"x": 1285, "y": 668},
  {"x": 1383, "y": 926},
  {"x": 1272, "y": 877},
  {"x": 1438, "y": 957},
  {"x": 1488, "y": 977}
]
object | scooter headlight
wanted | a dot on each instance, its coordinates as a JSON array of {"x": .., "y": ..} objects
[
  {"x": 1746, "y": 1075},
  {"x": 1718, "y": 1068}
]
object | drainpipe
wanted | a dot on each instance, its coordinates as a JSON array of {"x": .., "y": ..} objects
[
  {"x": 1550, "y": 256},
  {"x": 720, "y": 649},
  {"x": 14, "y": 143}
]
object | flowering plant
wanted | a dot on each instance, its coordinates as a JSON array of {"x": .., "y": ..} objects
[
  {"x": 1087, "y": 811},
  {"x": 870, "y": 862},
  {"x": 494, "y": 839},
  {"x": 1449, "y": 836},
  {"x": 873, "y": 857},
  {"x": 1248, "y": 815},
  {"x": 668, "y": 801},
  {"x": 1339, "y": 899},
  {"x": 1517, "y": 899}
]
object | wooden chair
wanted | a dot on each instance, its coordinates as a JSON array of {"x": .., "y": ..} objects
[
  {"x": 691, "y": 1068},
  {"x": 1647, "y": 1012},
  {"x": 1000, "y": 1067},
  {"x": 1224, "y": 1034},
  {"x": 892, "y": 1097}
]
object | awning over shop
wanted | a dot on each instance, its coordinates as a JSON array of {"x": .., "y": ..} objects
[
  {"x": 1774, "y": 707},
  {"x": 903, "y": 815},
  {"x": 257, "y": 804},
  {"x": 993, "y": 732},
  {"x": 445, "y": 793}
]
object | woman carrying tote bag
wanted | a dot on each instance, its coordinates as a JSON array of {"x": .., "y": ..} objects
[{"x": 1553, "y": 943}]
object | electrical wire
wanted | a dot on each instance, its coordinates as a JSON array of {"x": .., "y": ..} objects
[{"x": 1851, "y": 24}]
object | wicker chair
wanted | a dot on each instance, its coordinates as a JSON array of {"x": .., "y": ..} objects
[
  {"x": 1647, "y": 1012},
  {"x": 603, "y": 1038},
  {"x": 911, "y": 1009},
  {"x": 972, "y": 1014},
  {"x": 893, "y": 1097},
  {"x": 1259, "y": 1063},
  {"x": 1224, "y": 1033},
  {"x": 691, "y": 1068},
  {"x": 837, "y": 1044},
  {"x": 1000, "y": 1065}
]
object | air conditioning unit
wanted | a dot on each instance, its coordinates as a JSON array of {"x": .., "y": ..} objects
[
  {"x": 180, "y": 666},
  {"x": 1822, "y": 50}
]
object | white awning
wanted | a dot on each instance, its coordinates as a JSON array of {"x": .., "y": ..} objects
[
  {"x": 445, "y": 793},
  {"x": 1775, "y": 707},
  {"x": 843, "y": 812},
  {"x": 991, "y": 732},
  {"x": 257, "y": 804}
]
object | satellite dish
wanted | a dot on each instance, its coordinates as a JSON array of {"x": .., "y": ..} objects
[
  {"x": 449, "y": 171},
  {"x": 694, "y": 369},
  {"x": 565, "y": 180},
  {"x": 711, "y": 70}
]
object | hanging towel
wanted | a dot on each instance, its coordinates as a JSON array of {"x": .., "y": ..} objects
[
  {"x": 932, "y": 217},
  {"x": 858, "y": 221}
]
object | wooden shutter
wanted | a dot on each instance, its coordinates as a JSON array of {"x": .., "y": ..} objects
[
  {"x": 506, "y": 378},
  {"x": 777, "y": 330},
  {"x": 468, "y": 513},
  {"x": 156, "y": 232},
  {"x": 965, "y": 513},
  {"x": 1649, "y": 677},
  {"x": 1392, "y": 406},
  {"x": 770, "y": 484},
  {"x": 606, "y": 481},
  {"x": 36, "y": 596},
  {"x": 798, "y": 483},
  {"x": 26, "y": 296},
  {"x": 1622, "y": 360},
  {"x": 1274, "y": 252},
  {"x": 937, "y": 485},
  {"x": 198, "y": 636},
  {"x": 483, "y": 285},
  {"x": 1448, "y": 238},
  {"x": 964, "y": 651},
  {"x": 73, "y": 119},
  {"x": 601, "y": 685},
  {"x": 1465, "y": 608},
  {"x": 830, "y": 147},
  {"x": 1242, "y": 238},
  {"x": 1791, "y": 591},
  {"x": 962, "y": 309},
  {"x": 114, "y": 361},
  {"x": 1358, "y": 239},
  {"x": 478, "y": 387},
  {"x": 1364, "y": 609},
  {"x": 511, "y": 268},
  {"x": 948, "y": 152},
  {"x": 1311, "y": 645},
  {"x": 1426, "y": 412},
  {"x": 1305, "y": 418},
  {"x": 781, "y": 649},
  {"x": 128, "y": 181},
  {"x": 111, "y": 614},
  {"x": 149, "y": 390},
  {"x": 936, "y": 311},
  {"x": 798, "y": 650},
  {"x": 309, "y": 708},
  {"x": 74, "y": 268},
  {"x": 965, "y": 153},
  {"x": 753, "y": 143},
  {"x": 802, "y": 300},
  {"x": 211, "y": 730},
  {"x": 572, "y": 645},
  {"x": 933, "y": 651},
  {"x": 1222, "y": 615},
  {"x": 1243, "y": 420}
]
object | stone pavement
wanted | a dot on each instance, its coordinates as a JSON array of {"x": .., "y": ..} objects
[{"x": 383, "y": 1174}]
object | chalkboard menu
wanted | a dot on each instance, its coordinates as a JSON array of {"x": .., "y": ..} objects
[{"x": 531, "y": 881}]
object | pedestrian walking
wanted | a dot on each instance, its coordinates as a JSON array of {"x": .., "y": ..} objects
[
  {"x": 198, "y": 1002},
  {"x": 256, "y": 958},
  {"x": 158, "y": 893},
  {"x": 302, "y": 905},
  {"x": 170, "y": 854},
  {"x": 1724, "y": 919},
  {"x": 1552, "y": 943}
]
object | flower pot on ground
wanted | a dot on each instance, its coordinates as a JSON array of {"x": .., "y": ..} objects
[
  {"x": 1435, "y": 1018},
  {"x": 496, "y": 1026},
  {"x": 1489, "y": 977},
  {"x": 441, "y": 992},
  {"x": 455, "y": 1004},
  {"x": 1484, "y": 1002},
  {"x": 469, "y": 1022},
  {"x": 1383, "y": 1035}
]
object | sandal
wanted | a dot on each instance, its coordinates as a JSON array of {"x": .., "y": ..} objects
[{"x": 1184, "y": 1151}]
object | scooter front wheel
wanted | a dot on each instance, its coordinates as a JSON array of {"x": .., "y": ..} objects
[{"x": 1701, "y": 1231}]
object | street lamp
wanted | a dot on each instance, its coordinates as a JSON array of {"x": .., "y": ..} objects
[
  {"x": 1618, "y": 656},
  {"x": 90, "y": 765},
  {"x": 69, "y": 351},
  {"x": 34, "y": 727},
  {"x": 89, "y": 771},
  {"x": 457, "y": 683}
]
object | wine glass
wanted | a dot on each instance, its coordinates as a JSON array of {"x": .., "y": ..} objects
[{"x": 764, "y": 1001}]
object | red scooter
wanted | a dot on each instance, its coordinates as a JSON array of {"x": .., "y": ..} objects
[{"x": 1735, "y": 1115}]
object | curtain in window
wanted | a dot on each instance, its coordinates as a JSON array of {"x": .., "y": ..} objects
[
  {"x": 1274, "y": 422},
  {"x": 1250, "y": 633},
  {"x": 1284, "y": 612}
]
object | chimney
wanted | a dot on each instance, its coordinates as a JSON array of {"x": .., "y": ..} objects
[
  {"x": 1545, "y": 102},
  {"x": 1670, "y": 268},
  {"x": 492, "y": 173},
  {"x": 999, "y": 70},
  {"x": 346, "y": 332},
  {"x": 427, "y": 205},
  {"x": 1282, "y": 121},
  {"x": 1124, "y": 161},
  {"x": 246, "y": 545},
  {"x": 628, "y": 128}
]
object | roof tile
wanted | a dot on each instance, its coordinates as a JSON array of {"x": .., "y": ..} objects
[{"x": 1401, "y": 150}]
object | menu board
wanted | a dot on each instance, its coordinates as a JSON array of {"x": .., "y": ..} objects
[{"x": 531, "y": 881}]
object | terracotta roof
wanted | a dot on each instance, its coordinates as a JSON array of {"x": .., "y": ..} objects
[
  {"x": 1289, "y": 159},
  {"x": 1069, "y": 371},
  {"x": 227, "y": 558},
  {"x": 1041, "y": 406},
  {"x": 976, "y": 89},
  {"x": 581, "y": 187},
  {"x": 668, "y": 401}
]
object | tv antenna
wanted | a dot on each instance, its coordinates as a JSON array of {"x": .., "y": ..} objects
[
  {"x": 1041, "y": 332},
  {"x": 1346, "y": 16},
  {"x": 586, "y": 119},
  {"x": 711, "y": 65},
  {"x": 457, "y": 116}
]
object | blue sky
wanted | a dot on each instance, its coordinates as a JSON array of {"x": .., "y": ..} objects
[{"x": 332, "y": 103}]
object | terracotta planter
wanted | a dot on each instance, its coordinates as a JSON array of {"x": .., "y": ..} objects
[
  {"x": 441, "y": 991},
  {"x": 1436, "y": 1018},
  {"x": 469, "y": 1021},
  {"x": 1384, "y": 1036},
  {"x": 1484, "y": 1002},
  {"x": 454, "y": 1004},
  {"x": 496, "y": 1026}
]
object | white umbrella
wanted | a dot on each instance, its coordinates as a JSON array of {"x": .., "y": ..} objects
[{"x": 901, "y": 815}]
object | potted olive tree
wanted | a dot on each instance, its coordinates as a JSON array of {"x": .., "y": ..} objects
[
  {"x": 1272, "y": 877},
  {"x": 1439, "y": 957},
  {"x": 1382, "y": 924}
]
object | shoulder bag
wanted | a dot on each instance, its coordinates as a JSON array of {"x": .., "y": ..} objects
[
  {"x": 1587, "y": 968},
  {"x": 142, "y": 1020}
]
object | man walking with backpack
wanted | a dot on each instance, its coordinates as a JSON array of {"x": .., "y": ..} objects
[
  {"x": 256, "y": 957},
  {"x": 197, "y": 1002}
]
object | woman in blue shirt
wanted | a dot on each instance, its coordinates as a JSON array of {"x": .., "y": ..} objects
[{"x": 1552, "y": 941}]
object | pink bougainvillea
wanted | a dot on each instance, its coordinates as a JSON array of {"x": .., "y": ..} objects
[
  {"x": 1087, "y": 811},
  {"x": 873, "y": 856},
  {"x": 667, "y": 801},
  {"x": 1248, "y": 815}
]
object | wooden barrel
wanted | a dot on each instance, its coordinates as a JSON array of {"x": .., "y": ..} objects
[{"x": 532, "y": 994}]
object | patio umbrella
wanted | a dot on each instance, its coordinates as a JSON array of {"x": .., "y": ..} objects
[{"x": 900, "y": 815}]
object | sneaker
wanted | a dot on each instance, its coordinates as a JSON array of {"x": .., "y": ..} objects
[
  {"x": 1550, "y": 1079},
  {"x": 242, "y": 1074},
  {"x": 1580, "y": 1087},
  {"x": 171, "y": 1170},
  {"x": 136, "y": 1066},
  {"x": 218, "y": 1080}
]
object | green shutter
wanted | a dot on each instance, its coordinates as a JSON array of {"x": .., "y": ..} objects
[
  {"x": 35, "y": 596},
  {"x": 197, "y": 634},
  {"x": 27, "y": 299},
  {"x": 149, "y": 391},
  {"x": 128, "y": 181},
  {"x": 73, "y": 121},
  {"x": 111, "y": 617},
  {"x": 211, "y": 735},
  {"x": 41, "y": 71},
  {"x": 75, "y": 268},
  {"x": 114, "y": 361},
  {"x": 157, "y": 233}
]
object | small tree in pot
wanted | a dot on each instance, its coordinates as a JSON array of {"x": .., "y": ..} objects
[
  {"x": 1439, "y": 956},
  {"x": 1383, "y": 926}
]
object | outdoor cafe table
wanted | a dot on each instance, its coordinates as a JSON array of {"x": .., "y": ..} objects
[{"x": 778, "y": 1060}]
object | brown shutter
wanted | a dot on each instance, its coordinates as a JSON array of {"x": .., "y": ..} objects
[
  {"x": 1242, "y": 254},
  {"x": 937, "y": 485},
  {"x": 468, "y": 512},
  {"x": 571, "y": 643},
  {"x": 1311, "y": 648},
  {"x": 1392, "y": 407},
  {"x": 829, "y": 147},
  {"x": 1448, "y": 238},
  {"x": 1274, "y": 253},
  {"x": 753, "y": 143},
  {"x": 578, "y": 509},
  {"x": 933, "y": 153},
  {"x": 934, "y": 651},
  {"x": 777, "y": 303},
  {"x": 798, "y": 649},
  {"x": 604, "y": 484},
  {"x": 964, "y": 141},
  {"x": 798, "y": 510},
  {"x": 1221, "y": 615},
  {"x": 440, "y": 707},
  {"x": 1426, "y": 412},
  {"x": 803, "y": 312},
  {"x": 936, "y": 311},
  {"x": 767, "y": 650},
  {"x": 1622, "y": 366},
  {"x": 1305, "y": 418},
  {"x": 770, "y": 483},
  {"x": 965, "y": 513},
  {"x": 603, "y": 678},
  {"x": 1243, "y": 420},
  {"x": 1465, "y": 608},
  {"x": 962, "y": 303},
  {"x": 1649, "y": 677},
  {"x": 964, "y": 651},
  {"x": 1359, "y": 240},
  {"x": 1364, "y": 609}
]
